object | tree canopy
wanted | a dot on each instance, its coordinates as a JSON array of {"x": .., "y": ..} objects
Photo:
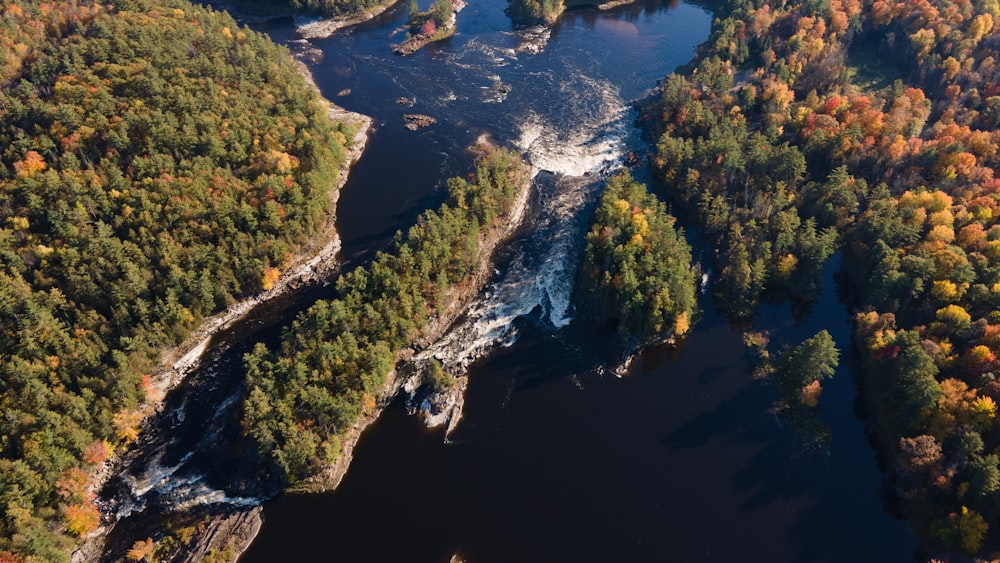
[
  {"x": 157, "y": 163},
  {"x": 637, "y": 266},
  {"x": 333, "y": 7},
  {"x": 868, "y": 125},
  {"x": 333, "y": 360},
  {"x": 812, "y": 361}
]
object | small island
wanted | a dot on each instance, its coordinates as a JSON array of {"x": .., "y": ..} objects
[
  {"x": 435, "y": 24},
  {"x": 637, "y": 267}
]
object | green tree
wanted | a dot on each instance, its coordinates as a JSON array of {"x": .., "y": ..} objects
[
  {"x": 158, "y": 162},
  {"x": 637, "y": 265},
  {"x": 441, "y": 11},
  {"x": 333, "y": 361},
  {"x": 814, "y": 360}
]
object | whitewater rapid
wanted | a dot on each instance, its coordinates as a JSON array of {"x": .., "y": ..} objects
[
  {"x": 150, "y": 481},
  {"x": 571, "y": 158}
]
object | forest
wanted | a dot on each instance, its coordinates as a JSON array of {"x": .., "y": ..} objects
[
  {"x": 869, "y": 126},
  {"x": 542, "y": 11},
  {"x": 157, "y": 163},
  {"x": 637, "y": 267},
  {"x": 333, "y": 361},
  {"x": 331, "y": 8},
  {"x": 535, "y": 11}
]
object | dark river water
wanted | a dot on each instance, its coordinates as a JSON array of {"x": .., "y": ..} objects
[{"x": 557, "y": 458}]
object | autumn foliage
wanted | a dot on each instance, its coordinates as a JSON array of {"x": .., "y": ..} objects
[
  {"x": 332, "y": 362},
  {"x": 637, "y": 266},
  {"x": 873, "y": 126},
  {"x": 141, "y": 550},
  {"x": 157, "y": 163}
]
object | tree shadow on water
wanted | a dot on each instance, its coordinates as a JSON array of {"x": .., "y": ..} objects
[
  {"x": 738, "y": 420},
  {"x": 819, "y": 513}
]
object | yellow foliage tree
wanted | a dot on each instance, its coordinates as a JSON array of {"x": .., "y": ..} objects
[
  {"x": 982, "y": 411},
  {"x": 954, "y": 316},
  {"x": 682, "y": 324},
  {"x": 786, "y": 266},
  {"x": 944, "y": 290},
  {"x": 141, "y": 550},
  {"x": 127, "y": 425},
  {"x": 271, "y": 275},
  {"x": 32, "y": 164},
  {"x": 952, "y": 408},
  {"x": 368, "y": 402},
  {"x": 942, "y": 233},
  {"x": 82, "y": 518}
]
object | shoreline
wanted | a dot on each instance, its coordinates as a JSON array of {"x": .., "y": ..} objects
[
  {"x": 445, "y": 408},
  {"x": 553, "y": 18},
  {"x": 325, "y": 27},
  {"x": 316, "y": 261},
  {"x": 459, "y": 300}
]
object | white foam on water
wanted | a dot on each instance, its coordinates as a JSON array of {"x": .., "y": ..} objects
[
  {"x": 170, "y": 484},
  {"x": 193, "y": 492},
  {"x": 155, "y": 475},
  {"x": 542, "y": 272}
]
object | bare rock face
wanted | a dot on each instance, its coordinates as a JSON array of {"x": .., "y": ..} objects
[
  {"x": 230, "y": 534},
  {"x": 414, "y": 121}
]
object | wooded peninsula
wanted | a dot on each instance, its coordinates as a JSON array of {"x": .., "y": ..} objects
[{"x": 334, "y": 360}]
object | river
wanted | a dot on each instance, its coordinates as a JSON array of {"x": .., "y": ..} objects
[{"x": 557, "y": 458}]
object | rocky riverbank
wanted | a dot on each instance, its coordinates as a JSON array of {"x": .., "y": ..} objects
[
  {"x": 410, "y": 376},
  {"x": 224, "y": 531},
  {"x": 443, "y": 405},
  {"x": 316, "y": 262},
  {"x": 539, "y": 25},
  {"x": 325, "y": 27}
]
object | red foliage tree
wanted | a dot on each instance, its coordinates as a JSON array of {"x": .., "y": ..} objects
[{"x": 428, "y": 28}]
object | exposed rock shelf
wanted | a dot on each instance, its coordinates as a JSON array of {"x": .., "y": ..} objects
[
  {"x": 324, "y": 27},
  {"x": 413, "y": 121}
]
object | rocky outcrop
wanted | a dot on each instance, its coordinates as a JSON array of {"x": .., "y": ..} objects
[
  {"x": 230, "y": 534},
  {"x": 415, "y": 121},
  {"x": 443, "y": 406}
]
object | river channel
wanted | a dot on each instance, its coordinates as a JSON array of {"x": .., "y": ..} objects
[{"x": 558, "y": 457}]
